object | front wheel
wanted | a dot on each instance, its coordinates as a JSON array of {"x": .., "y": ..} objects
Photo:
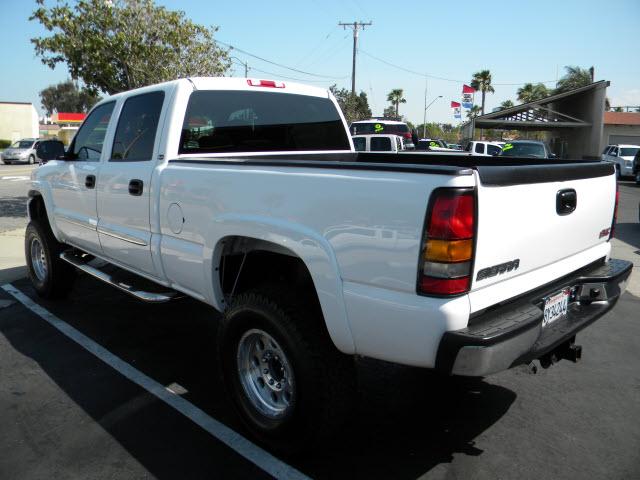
[
  {"x": 51, "y": 277},
  {"x": 32, "y": 159},
  {"x": 638, "y": 177},
  {"x": 291, "y": 387}
]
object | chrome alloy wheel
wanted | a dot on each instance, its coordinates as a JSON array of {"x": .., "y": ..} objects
[
  {"x": 265, "y": 374},
  {"x": 38, "y": 259}
]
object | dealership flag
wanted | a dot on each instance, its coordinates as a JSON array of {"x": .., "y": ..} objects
[
  {"x": 456, "y": 110},
  {"x": 467, "y": 96}
]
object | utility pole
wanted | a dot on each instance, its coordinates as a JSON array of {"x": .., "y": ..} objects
[
  {"x": 356, "y": 26},
  {"x": 244, "y": 64}
]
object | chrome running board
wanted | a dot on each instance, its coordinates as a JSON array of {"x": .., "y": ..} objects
[{"x": 127, "y": 284}]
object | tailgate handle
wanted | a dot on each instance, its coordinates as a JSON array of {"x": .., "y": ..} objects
[{"x": 566, "y": 201}]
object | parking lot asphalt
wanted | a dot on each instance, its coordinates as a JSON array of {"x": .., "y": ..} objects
[{"x": 69, "y": 414}]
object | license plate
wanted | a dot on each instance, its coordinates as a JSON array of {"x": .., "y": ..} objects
[{"x": 555, "y": 307}]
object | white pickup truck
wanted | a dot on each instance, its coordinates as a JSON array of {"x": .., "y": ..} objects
[{"x": 248, "y": 195}]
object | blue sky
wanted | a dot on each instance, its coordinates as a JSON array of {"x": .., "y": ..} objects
[{"x": 519, "y": 41}]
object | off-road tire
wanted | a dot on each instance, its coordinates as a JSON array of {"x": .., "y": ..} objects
[
  {"x": 325, "y": 378},
  {"x": 60, "y": 276}
]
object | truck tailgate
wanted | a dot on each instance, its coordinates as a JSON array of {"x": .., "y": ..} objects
[{"x": 524, "y": 226}]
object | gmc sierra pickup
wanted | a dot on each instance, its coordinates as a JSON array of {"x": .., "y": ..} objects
[{"x": 248, "y": 195}]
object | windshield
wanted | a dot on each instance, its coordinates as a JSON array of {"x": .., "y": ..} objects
[
  {"x": 628, "y": 152},
  {"x": 378, "y": 127},
  {"x": 523, "y": 150},
  {"x": 360, "y": 144},
  {"x": 247, "y": 121},
  {"x": 22, "y": 144}
]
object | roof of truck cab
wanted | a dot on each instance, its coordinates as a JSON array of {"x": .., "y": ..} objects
[
  {"x": 225, "y": 83},
  {"x": 235, "y": 83}
]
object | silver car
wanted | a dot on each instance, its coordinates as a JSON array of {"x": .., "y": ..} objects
[{"x": 22, "y": 151}]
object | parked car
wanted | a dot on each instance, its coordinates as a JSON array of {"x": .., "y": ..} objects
[
  {"x": 314, "y": 253},
  {"x": 636, "y": 167},
  {"x": 526, "y": 149},
  {"x": 383, "y": 127},
  {"x": 455, "y": 146},
  {"x": 433, "y": 145},
  {"x": 487, "y": 149},
  {"x": 22, "y": 151},
  {"x": 378, "y": 143},
  {"x": 622, "y": 156}
]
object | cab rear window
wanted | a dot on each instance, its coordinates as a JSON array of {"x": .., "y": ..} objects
[{"x": 245, "y": 121}]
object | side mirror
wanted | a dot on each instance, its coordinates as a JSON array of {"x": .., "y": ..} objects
[{"x": 553, "y": 155}]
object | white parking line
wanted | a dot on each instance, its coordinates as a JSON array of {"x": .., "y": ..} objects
[{"x": 232, "y": 439}]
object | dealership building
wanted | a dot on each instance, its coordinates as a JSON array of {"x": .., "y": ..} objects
[
  {"x": 18, "y": 120},
  {"x": 621, "y": 128}
]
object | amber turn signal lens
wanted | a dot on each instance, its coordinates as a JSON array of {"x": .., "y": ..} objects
[{"x": 448, "y": 250}]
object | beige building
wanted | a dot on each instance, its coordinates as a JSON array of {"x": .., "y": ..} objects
[
  {"x": 18, "y": 120},
  {"x": 621, "y": 128}
]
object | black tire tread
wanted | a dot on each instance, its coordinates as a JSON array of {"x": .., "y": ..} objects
[
  {"x": 331, "y": 369},
  {"x": 61, "y": 275}
]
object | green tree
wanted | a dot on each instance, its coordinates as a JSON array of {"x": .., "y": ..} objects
[
  {"x": 123, "y": 44},
  {"x": 474, "y": 111},
  {"x": 390, "y": 112},
  {"x": 506, "y": 104},
  {"x": 618, "y": 109},
  {"x": 530, "y": 92},
  {"x": 354, "y": 107},
  {"x": 396, "y": 97},
  {"x": 481, "y": 81},
  {"x": 575, "y": 77},
  {"x": 67, "y": 97}
]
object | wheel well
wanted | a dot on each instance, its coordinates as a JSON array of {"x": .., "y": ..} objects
[
  {"x": 37, "y": 208},
  {"x": 246, "y": 263}
]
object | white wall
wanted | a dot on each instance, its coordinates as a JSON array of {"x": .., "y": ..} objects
[
  {"x": 18, "y": 120},
  {"x": 628, "y": 130}
]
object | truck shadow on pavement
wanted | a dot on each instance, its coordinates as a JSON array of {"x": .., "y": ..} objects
[
  {"x": 407, "y": 422},
  {"x": 629, "y": 233}
]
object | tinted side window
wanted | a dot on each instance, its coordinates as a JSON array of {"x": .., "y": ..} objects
[
  {"x": 87, "y": 144},
  {"x": 248, "y": 121},
  {"x": 137, "y": 126},
  {"x": 468, "y": 147},
  {"x": 380, "y": 144},
  {"x": 493, "y": 149},
  {"x": 479, "y": 148},
  {"x": 360, "y": 144}
]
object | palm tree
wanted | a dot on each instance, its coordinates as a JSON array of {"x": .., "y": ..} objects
[
  {"x": 618, "y": 109},
  {"x": 506, "y": 104},
  {"x": 574, "y": 78},
  {"x": 530, "y": 92},
  {"x": 481, "y": 81},
  {"x": 396, "y": 98},
  {"x": 473, "y": 112}
]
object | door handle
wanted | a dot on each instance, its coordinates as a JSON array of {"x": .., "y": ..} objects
[
  {"x": 90, "y": 181},
  {"x": 136, "y": 187}
]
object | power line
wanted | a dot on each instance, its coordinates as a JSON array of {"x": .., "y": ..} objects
[
  {"x": 278, "y": 64},
  {"x": 435, "y": 77},
  {"x": 278, "y": 75}
]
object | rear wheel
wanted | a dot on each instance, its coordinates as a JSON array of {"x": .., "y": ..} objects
[
  {"x": 638, "y": 177},
  {"x": 51, "y": 277},
  {"x": 618, "y": 175},
  {"x": 291, "y": 387}
]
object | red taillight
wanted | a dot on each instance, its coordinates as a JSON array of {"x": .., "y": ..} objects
[
  {"x": 615, "y": 213},
  {"x": 407, "y": 135},
  {"x": 264, "y": 83},
  {"x": 452, "y": 216},
  {"x": 447, "y": 248}
]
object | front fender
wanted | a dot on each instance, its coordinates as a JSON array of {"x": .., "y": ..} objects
[{"x": 311, "y": 247}]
